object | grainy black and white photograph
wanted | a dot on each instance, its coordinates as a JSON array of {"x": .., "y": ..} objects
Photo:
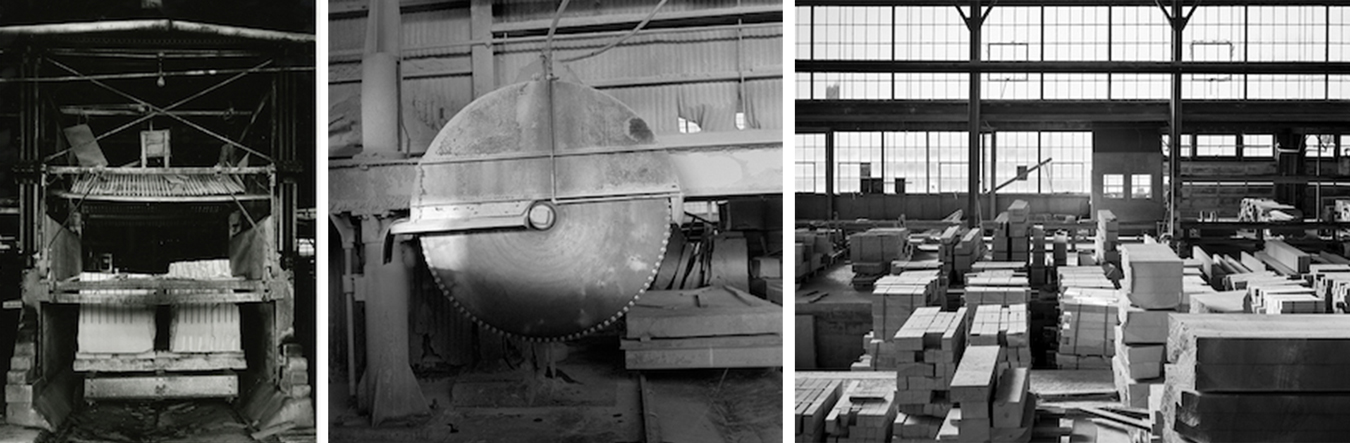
[
  {"x": 157, "y": 209},
  {"x": 1039, "y": 220},
  {"x": 555, "y": 221}
]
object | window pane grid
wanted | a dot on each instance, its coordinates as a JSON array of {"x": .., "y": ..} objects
[
  {"x": 1071, "y": 165},
  {"x": 810, "y": 163},
  {"x": 930, "y": 33},
  {"x": 1258, "y": 146},
  {"x": 851, "y": 33},
  {"x": 1287, "y": 33},
  {"x": 1319, "y": 146},
  {"x": 853, "y": 150},
  {"x": 1140, "y": 33},
  {"x": 1216, "y": 146},
  {"x": 1076, "y": 33}
]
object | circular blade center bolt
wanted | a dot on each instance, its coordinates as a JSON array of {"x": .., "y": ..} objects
[{"x": 542, "y": 216}]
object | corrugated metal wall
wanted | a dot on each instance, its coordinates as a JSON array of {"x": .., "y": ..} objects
[{"x": 657, "y": 72}]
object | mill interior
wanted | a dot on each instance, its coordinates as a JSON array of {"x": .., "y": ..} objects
[
  {"x": 555, "y": 221},
  {"x": 1071, "y": 221},
  {"x": 157, "y": 222}
]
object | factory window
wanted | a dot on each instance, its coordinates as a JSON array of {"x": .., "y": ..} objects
[
  {"x": 851, "y": 33},
  {"x": 1011, "y": 86},
  {"x": 1113, "y": 186},
  {"x": 948, "y": 166},
  {"x": 930, "y": 33},
  {"x": 1258, "y": 146},
  {"x": 1286, "y": 33},
  {"x": 1338, "y": 86},
  {"x": 1216, "y": 146},
  {"x": 1075, "y": 86},
  {"x": 1076, "y": 33},
  {"x": 688, "y": 126},
  {"x": 803, "y": 86},
  {"x": 1070, "y": 169},
  {"x": 1286, "y": 87},
  {"x": 851, "y": 86},
  {"x": 1345, "y": 146},
  {"x": 1185, "y": 146},
  {"x": 1141, "y": 86},
  {"x": 1319, "y": 146},
  {"x": 1139, "y": 33},
  {"x": 804, "y": 32},
  {"x": 1013, "y": 34},
  {"x": 1141, "y": 186},
  {"x": 1214, "y": 34},
  {"x": 851, "y": 151},
  {"x": 1015, "y": 150},
  {"x": 1339, "y": 24},
  {"x": 810, "y": 163},
  {"x": 906, "y": 156},
  {"x": 932, "y": 86}
]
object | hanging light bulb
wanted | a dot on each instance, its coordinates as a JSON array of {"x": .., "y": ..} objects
[{"x": 160, "y": 80}]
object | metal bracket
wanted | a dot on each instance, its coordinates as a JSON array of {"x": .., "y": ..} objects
[{"x": 497, "y": 215}]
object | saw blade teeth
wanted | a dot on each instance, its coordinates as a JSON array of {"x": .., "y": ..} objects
[{"x": 660, "y": 257}]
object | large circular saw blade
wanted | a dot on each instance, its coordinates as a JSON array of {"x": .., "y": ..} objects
[{"x": 584, "y": 272}]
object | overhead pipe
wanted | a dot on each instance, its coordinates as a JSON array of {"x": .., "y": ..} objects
[{"x": 156, "y": 25}]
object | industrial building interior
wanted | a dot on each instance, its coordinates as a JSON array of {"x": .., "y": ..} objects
[
  {"x": 555, "y": 221},
  {"x": 157, "y": 258},
  {"x": 1026, "y": 220}
]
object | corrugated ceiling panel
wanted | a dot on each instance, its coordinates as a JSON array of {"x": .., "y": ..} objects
[{"x": 517, "y": 11}]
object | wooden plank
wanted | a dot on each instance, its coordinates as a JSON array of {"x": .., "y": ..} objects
[
  {"x": 752, "y": 357},
  {"x": 159, "y": 361},
  {"x": 730, "y": 341},
  {"x": 974, "y": 379},
  {"x": 161, "y": 297},
  {"x": 708, "y": 312},
  {"x": 161, "y": 387}
]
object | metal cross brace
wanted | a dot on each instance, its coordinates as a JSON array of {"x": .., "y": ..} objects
[{"x": 165, "y": 111}]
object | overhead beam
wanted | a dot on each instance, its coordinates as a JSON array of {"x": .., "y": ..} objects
[
  {"x": 1149, "y": 3},
  {"x": 613, "y": 22},
  {"x": 835, "y": 114},
  {"x": 1076, "y": 67}
]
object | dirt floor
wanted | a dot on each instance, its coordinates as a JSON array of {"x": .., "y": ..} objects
[{"x": 591, "y": 398}]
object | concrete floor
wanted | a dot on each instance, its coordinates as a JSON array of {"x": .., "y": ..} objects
[{"x": 596, "y": 401}]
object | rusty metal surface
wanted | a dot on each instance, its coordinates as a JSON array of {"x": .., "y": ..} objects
[{"x": 585, "y": 271}]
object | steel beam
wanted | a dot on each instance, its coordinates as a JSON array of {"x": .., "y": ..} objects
[
  {"x": 1149, "y": 3},
  {"x": 974, "y": 21},
  {"x": 159, "y": 25},
  {"x": 1091, "y": 67},
  {"x": 829, "y": 174},
  {"x": 901, "y": 114},
  {"x": 709, "y": 165},
  {"x": 1178, "y": 23}
]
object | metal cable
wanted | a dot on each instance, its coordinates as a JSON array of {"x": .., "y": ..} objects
[{"x": 621, "y": 39}]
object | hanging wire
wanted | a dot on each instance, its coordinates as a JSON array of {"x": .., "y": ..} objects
[
  {"x": 547, "y": 59},
  {"x": 620, "y": 39},
  {"x": 553, "y": 28}
]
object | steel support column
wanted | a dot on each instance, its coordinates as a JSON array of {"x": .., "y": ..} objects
[
  {"x": 1178, "y": 22},
  {"x": 974, "y": 21},
  {"x": 829, "y": 174}
]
